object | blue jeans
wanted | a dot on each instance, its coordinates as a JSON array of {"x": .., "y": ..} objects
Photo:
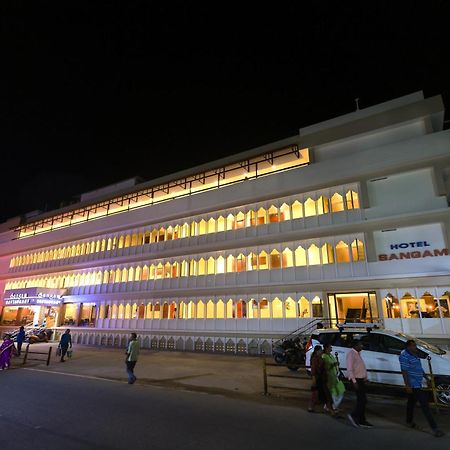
[{"x": 130, "y": 371}]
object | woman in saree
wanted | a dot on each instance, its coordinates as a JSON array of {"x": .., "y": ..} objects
[
  {"x": 6, "y": 351},
  {"x": 334, "y": 385}
]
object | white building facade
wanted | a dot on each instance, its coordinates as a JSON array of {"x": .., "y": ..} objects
[{"x": 347, "y": 221}]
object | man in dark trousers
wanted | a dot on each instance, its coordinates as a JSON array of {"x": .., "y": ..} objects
[
  {"x": 357, "y": 374},
  {"x": 413, "y": 375},
  {"x": 20, "y": 340},
  {"x": 132, "y": 357},
  {"x": 66, "y": 340}
]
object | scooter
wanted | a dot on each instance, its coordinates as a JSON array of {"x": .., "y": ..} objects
[{"x": 291, "y": 352}]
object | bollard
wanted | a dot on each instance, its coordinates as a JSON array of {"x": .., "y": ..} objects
[
  {"x": 49, "y": 355},
  {"x": 433, "y": 384},
  {"x": 264, "y": 375},
  {"x": 26, "y": 355}
]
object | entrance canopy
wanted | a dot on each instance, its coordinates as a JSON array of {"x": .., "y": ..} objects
[{"x": 34, "y": 296}]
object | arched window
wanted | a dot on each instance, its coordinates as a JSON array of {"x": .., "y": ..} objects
[
  {"x": 201, "y": 267},
  {"x": 290, "y": 308},
  {"x": 337, "y": 202},
  {"x": 352, "y": 200},
  {"x": 173, "y": 310},
  {"x": 288, "y": 258},
  {"x": 184, "y": 268},
  {"x": 285, "y": 212},
  {"x": 310, "y": 207},
  {"x": 161, "y": 234},
  {"x": 317, "y": 307},
  {"x": 176, "y": 232},
  {"x": 159, "y": 273},
  {"x": 220, "y": 268},
  {"x": 211, "y": 266},
  {"x": 323, "y": 206},
  {"x": 114, "y": 312},
  {"x": 212, "y": 225},
  {"x": 250, "y": 219},
  {"x": 121, "y": 242},
  {"x": 342, "y": 254},
  {"x": 145, "y": 273},
  {"x": 97, "y": 246},
  {"x": 152, "y": 272},
  {"x": 103, "y": 246},
  {"x": 185, "y": 230},
  {"x": 167, "y": 270},
  {"x": 240, "y": 263},
  {"x": 304, "y": 308},
  {"x": 169, "y": 233},
  {"x": 109, "y": 244},
  {"x": 230, "y": 264},
  {"x": 149, "y": 311},
  {"x": 220, "y": 224},
  {"x": 261, "y": 216},
  {"x": 106, "y": 277},
  {"x": 241, "y": 309},
  {"x": 191, "y": 310},
  {"x": 154, "y": 236},
  {"x": 230, "y": 309},
  {"x": 210, "y": 310},
  {"x": 131, "y": 274},
  {"x": 182, "y": 310},
  {"x": 141, "y": 311},
  {"x": 124, "y": 277},
  {"x": 263, "y": 261},
  {"x": 230, "y": 222},
  {"x": 193, "y": 268},
  {"x": 120, "y": 314},
  {"x": 157, "y": 311},
  {"x": 264, "y": 310},
  {"x": 134, "y": 311},
  {"x": 252, "y": 261},
  {"x": 138, "y": 274},
  {"x": 165, "y": 311},
  {"x": 273, "y": 214},
  {"x": 202, "y": 227},
  {"x": 252, "y": 309},
  {"x": 200, "y": 310},
  {"x": 275, "y": 259},
  {"x": 240, "y": 220},
  {"x": 313, "y": 255},
  {"x": 220, "y": 310},
  {"x": 277, "y": 308},
  {"x": 327, "y": 254},
  {"x": 175, "y": 269},
  {"x": 358, "y": 250}
]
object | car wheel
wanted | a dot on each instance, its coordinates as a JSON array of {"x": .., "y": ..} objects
[{"x": 443, "y": 397}]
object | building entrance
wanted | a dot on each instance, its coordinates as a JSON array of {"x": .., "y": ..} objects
[{"x": 353, "y": 307}]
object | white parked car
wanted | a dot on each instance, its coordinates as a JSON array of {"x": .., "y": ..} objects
[{"x": 380, "y": 354}]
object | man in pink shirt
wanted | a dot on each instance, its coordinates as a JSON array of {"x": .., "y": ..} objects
[{"x": 357, "y": 374}]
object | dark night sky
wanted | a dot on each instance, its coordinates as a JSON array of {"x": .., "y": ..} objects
[{"x": 93, "y": 93}]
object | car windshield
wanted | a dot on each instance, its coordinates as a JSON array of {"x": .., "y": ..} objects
[{"x": 425, "y": 345}]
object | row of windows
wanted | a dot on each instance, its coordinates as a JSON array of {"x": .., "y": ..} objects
[
  {"x": 269, "y": 163},
  {"x": 262, "y": 308},
  {"x": 313, "y": 255},
  {"x": 262, "y": 216}
]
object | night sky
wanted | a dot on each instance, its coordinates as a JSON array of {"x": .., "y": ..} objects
[{"x": 93, "y": 93}]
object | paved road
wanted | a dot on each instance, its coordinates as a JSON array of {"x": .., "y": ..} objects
[{"x": 40, "y": 410}]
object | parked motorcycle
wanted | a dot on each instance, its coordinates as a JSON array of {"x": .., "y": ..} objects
[{"x": 291, "y": 352}]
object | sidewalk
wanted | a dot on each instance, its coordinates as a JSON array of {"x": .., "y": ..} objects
[{"x": 227, "y": 375}]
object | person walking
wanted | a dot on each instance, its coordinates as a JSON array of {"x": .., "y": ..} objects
[
  {"x": 6, "y": 351},
  {"x": 413, "y": 375},
  {"x": 132, "y": 357},
  {"x": 334, "y": 387},
  {"x": 20, "y": 338},
  {"x": 64, "y": 343},
  {"x": 318, "y": 379},
  {"x": 357, "y": 374}
]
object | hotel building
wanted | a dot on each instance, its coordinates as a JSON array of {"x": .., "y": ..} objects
[{"x": 347, "y": 220}]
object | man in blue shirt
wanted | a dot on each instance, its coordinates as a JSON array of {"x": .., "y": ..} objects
[
  {"x": 20, "y": 338},
  {"x": 66, "y": 340},
  {"x": 413, "y": 375}
]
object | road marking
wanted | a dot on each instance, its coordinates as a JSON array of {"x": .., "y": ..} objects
[{"x": 75, "y": 375}]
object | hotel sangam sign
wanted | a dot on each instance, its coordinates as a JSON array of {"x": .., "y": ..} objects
[
  {"x": 423, "y": 241},
  {"x": 34, "y": 296}
]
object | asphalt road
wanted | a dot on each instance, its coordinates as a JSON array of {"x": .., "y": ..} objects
[{"x": 40, "y": 410}]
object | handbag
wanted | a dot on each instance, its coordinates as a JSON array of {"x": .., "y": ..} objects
[
  {"x": 69, "y": 353},
  {"x": 58, "y": 351}
]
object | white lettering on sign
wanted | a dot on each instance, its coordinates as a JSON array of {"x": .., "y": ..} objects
[{"x": 18, "y": 295}]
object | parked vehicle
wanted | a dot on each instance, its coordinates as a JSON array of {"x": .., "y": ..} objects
[
  {"x": 291, "y": 352},
  {"x": 381, "y": 349}
]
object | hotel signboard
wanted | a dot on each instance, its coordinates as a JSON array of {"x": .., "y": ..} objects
[{"x": 34, "y": 297}]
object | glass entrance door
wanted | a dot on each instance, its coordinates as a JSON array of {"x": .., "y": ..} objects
[{"x": 353, "y": 307}]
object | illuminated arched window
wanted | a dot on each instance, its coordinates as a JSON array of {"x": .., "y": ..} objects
[
  {"x": 277, "y": 308},
  {"x": 220, "y": 268},
  {"x": 134, "y": 311},
  {"x": 184, "y": 268},
  {"x": 273, "y": 214},
  {"x": 285, "y": 212},
  {"x": 200, "y": 310},
  {"x": 159, "y": 273},
  {"x": 323, "y": 206},
  {"x": 157, "y": 311},
  {"x": 211, "y": 269},
  {"x": 352, "y": 200},
  {"x": 230, "y": 309},
  {"x": 221, "y": 224},
  {"x": 201, "y": 267},
  {"x": 310, "y": 207},
  {"x": 317, "y": 307},
  {"x": 275, "y": 259},
  {"x": 313, "y": 255},
  {"x": 240, "y": 220},
  {"x": 161, "y": 234},
  {"x": 261, "y": 216},
  {"x": 212, "y": 225},
  {"x": 154, "y": 236},
  {"x": 230, "y": 264},
  {"x": 176, "y": 232},
  {"x": 169, "y": 233},
  {"x": 241, "y": 309},
  {"x": 97, "y": 246},
  {"x": 106, "y": 277},
  {"x": 131, "y": 274},
  {"x": 145, "y": 273},
  {"x": 240, "y": 263},
  {"x": 149, "y": 311},
  {"x": 114, "y": 312},
  {"x": 252, "y": 261},
  {"x": 252, "y": 309},
  {"x": 167, "y": 270},
  {"x": 98, "y": 278},
  {"x": 220, "y": 309},
  {"x": 120, "y": 314},
  {"x": 210, "y": 310},
  {"x": 342, "y": 254},
  {"x": 358, "y": 253},
  {"x": 141, "y": 311},
  {"x": 304, "y": 307},
  {"x": 175, "y": 269},
  {"x": 191, "y": 310},
  {"x": 337, "y": 203},
  {"x": 290, "y": 308},
  {"x": 288, "y": 258},
  {"x": 250, "y": 219},
  {"x": 193, "y": 268},
  {"x": 263, "y": 261},
  {"x": 173, "y": 310},
  {"x": 182, "y": 310},
  {"x": 264, "y": 311},
  {"x": 185, "y": 230},
  {"x": 202, "y": 227},
  {"x": 124, "y": 276},
  {"x": 109, "y": 246},
  {"x": 103, "y": 245},
  {"x": 327, "y": 254},
  {"x": 152, "y": 272},
  {"x": 165, "y": 311},
  {"x": 230, "y": 222},
  {"x": 138, "y": 274},
  {"x": 121, "y": 241}
]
